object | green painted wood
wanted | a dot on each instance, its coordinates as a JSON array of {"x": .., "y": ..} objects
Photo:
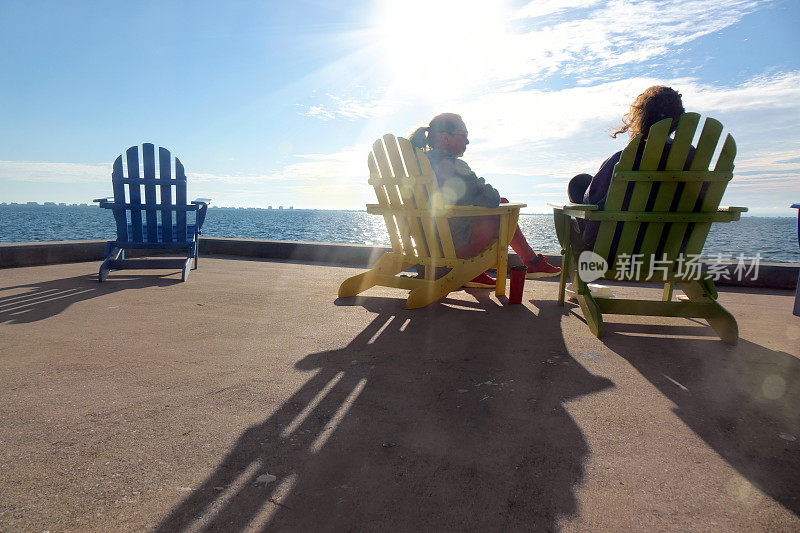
[
  {"x": 151, "y": 209},
  {"x": 706, "y": 146},
  {"x": 668, "y": 179},
  {"x": 662, "y": 223},
  {"x": 165, "y": 183},
  {"x": 614, "y": 199},
  {"x": 651, "y": 157},
  {"x": 623, "y": 306},
  {"x": 713, "y": 196}
]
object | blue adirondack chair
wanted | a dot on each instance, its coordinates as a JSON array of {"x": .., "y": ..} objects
[
  {"x": 164, "y": 225},
  {"x": 796, "y": 310}
]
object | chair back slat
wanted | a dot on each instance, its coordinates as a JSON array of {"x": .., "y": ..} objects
[
  {"x": 135, "y": 193},
  {"x": 380, "y": 193},
  {"x": 421, "y": 195},
  {"x": 614, "y": 200},
  {"x": 640, "y": 190},
  {"x": 656, "y": 232},
  {"x": 120, "y": 213},
  {"x": 180, "y": 199},
  {"x": 165, "y": 174},
  {"x": 659, "y": 185},
  {"x": 680, "y": 232},
  {"x": 390, "y": 186},
  {"x": 407, "y": 195},
  {"x": 713, "y": 197},
  {"x": 149, "y": 167}
]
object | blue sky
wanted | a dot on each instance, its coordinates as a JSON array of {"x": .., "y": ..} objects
[{"x": 277, "y": 103}]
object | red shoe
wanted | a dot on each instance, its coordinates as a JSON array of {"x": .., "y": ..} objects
[
  {"x": 484, "y": 281},
  {"x": 538, "y": 267}
]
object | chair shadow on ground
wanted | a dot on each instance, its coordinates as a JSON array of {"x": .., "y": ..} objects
[
  {"x": 743, "y": 400},
  {"x": 448, "y": 417},
  {"x": 36, "y": 301}
]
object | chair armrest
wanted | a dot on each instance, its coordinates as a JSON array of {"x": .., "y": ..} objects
[
  {"x": 575, "y": 207},
  {"x": 202, "y": 201},
  {"x": 479, "y": 211},
  {"x": 731, "y": 209},
  {"x": 448, "y": 211},
  {"x": 107, "y": 199},
  {"x": 795, "y": 206}
]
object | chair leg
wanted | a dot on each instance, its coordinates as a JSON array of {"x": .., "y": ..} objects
[
  {"x": 667, "y": 294},
  {"x": 359, "y": 283},
  {"x": 592, "y": 314},
  {"x": 454, "y": 280},
  {"x": 796, "y": 310},
  {"x": 186, "y": 268},
  {"x": 562, "y": 280},
  {"x": 719, "y": 319},
  {"x": 112, "y": 255}
]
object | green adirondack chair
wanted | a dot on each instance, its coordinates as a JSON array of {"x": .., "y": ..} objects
[{"x": 660, "y": 243}]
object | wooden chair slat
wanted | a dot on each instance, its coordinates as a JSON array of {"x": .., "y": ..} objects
[
  {"x": 407, "y": 195},
  {"x": 149, "y": 168},
  {"x": 614, "y": 200},
  {"x": 135, "y": 193},
  {"x": 180, "y": 199},
  {"x": 676, "y": 161},
  {"x": 712, "y": 197},
  {"x": 120, "y": 215},
  {"x": 420, "y": 196},
  {"x": 165, "y": 176},
  {"x": 380, "y": 193},
  {"x": 394, "y": 197}
]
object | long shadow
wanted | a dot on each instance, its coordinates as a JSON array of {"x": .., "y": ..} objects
[
  {"x": 36, "y": 301},
  {"x": 743, "y": 401},
  {"x": 449, "y": 417}
]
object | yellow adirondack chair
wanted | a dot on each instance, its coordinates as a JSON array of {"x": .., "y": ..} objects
[
  {"x": 411, "y": 204},
  {"x": 673, "y": 229}
]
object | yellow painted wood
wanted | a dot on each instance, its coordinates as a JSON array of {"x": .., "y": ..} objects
[
  {"x": 411, "y": 204},
  {"x": 380, "y": 193},
  {"x": 394, "y": 197}
]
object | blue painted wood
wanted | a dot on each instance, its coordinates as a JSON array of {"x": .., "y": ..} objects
[
  {"x": 120, "y": 214},
  {"x": 151, "y": 234},
  {"x": 180, "y": 199},
  {"x": 135, "y": 193},
  {"x": 796, "y": 310},
  {"x": 151, "y": 216},
  {"x": 164, "y": 163}
]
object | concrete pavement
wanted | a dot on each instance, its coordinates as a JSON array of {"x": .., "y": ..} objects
[{"x": 144, "y": 403}]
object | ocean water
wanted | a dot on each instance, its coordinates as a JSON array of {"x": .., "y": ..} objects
[{"x": 774, "y": 238}]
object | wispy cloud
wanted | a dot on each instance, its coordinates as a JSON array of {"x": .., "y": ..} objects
[
  {"x": 54, "y": 172},
  {"x": 348, "y": 108}
]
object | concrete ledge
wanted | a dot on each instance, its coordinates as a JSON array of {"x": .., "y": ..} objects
[{"x": 770, "y": 275}]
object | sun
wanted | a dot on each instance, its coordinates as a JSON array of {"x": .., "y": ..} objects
[{"x": 440, "y": 50}]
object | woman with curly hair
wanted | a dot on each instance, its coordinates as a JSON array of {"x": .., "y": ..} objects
[
  {"x": 444, "y": 141},
  {"x": 653, "y": 105}
]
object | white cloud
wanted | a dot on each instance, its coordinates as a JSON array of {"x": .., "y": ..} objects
[{"x": 54, "y": 172}]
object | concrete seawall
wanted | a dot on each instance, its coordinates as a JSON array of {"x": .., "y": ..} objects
[{"x": 770, "y": 275}]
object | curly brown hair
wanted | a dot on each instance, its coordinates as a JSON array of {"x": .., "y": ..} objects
[{"x": 656, "y": 103}]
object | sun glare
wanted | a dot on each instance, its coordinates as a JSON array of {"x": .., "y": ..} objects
[{"x": 440, "y": 49}]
